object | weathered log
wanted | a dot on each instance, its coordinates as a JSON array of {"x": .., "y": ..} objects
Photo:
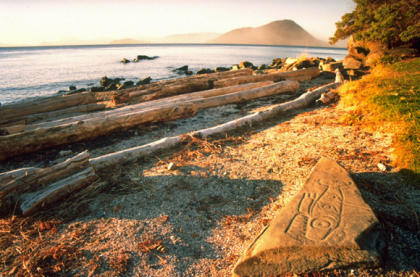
[
  {"x": 53, "y": 134},
  {"x": 24, "y": 179},
  {"x": 169, "y": 100},
  {"x": 32, "y": 202},
  {"x": 137, "y": 152},
  {"x": 174, "y": 86},
  {"x": 14, "y": 111},
  {"x": 72, "y": 110},
  {"x": 297, "y": 75}
]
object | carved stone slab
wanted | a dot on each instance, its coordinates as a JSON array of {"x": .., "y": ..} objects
[{"x": 327, "y": 225}]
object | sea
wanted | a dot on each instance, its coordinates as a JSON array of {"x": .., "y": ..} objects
[{"x": 27, "y": 72}]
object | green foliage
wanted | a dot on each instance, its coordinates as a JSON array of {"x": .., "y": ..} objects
[{"x": 392, "y": 23}]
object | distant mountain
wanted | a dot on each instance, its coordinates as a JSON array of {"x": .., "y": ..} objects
[
  {"x": 281, "y": 32},
  {"x": 189, "y": 38},
  {"x": 128, "y": 41}
]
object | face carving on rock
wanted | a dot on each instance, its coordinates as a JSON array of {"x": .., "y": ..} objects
[{"x": 318, "y": 215}]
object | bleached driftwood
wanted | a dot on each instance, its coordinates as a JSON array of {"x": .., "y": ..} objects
[
  {"x": 171, "y": 87},
  {"x": 297, "y": 75},
  {"x": 134, "y": 153},
  {"x": 97, "y": 124},
  {"x": 18, "y": 181},
  {"x": 13, "y": 112},
  {"x": 32, "y": 202}
]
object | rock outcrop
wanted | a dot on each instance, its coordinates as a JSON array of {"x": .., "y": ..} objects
[{"x": 327, "y": 225}]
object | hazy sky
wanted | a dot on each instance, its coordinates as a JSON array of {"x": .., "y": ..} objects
[{"x": 31, "y": 22}]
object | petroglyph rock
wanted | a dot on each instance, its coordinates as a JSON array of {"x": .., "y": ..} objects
[{"x": 327, "y": 225}]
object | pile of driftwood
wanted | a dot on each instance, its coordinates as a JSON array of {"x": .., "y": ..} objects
[{"x": 32, "y": 188}]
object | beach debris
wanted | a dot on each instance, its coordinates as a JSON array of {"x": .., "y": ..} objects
[
  {"x": 326, "y": 225},
  {"x": 338, "y": 76}
]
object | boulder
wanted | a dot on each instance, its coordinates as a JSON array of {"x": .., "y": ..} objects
[
  {"x": 182, "y": 70},
  {"x": 262, "y": 67},
  {"x": 71, "y": 88},
  {"x": 96, "y": 89},
  {"x": 220, "y": 69},
  {"x": 126, "y": 84},
  {"x": 235, "y": 67},
  {"x": 124, "y": 60},
  {"x": 331, "y": 66},
  {"x": 205, "y": 71},
  {"x": 304, "y": 63},
  {"x": 144, "y": 81},
  {"x": 144, "y": 57},
  {"x": 290, "y": 60},
  {"x": 327, "y": 225},
  {"x": 246, "y": 64},
  {"x": 351, "y": 62},
  {"x": 277, "y": 63}
]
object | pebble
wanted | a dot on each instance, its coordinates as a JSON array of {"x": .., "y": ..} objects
[
  {"x": 382, "y": 167},
  {"x": 171, "y": 166}
]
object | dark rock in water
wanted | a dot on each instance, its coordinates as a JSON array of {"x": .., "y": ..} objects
[
  {"x": 127, "y": 84},
  {"x": 246, "y": 64},
  {"x": 205, "y": 71},
  {"x": 144, "y": 57},
  {"x": 72, "y": 88},
  {"x": 262, "y": 67},
  {"x": 144, "y": 81},
  {"x": 235, "y": 67},
  {"x": 124, "y": 60},
  {"x": 221, "y": 69},
  {"x": 105, "y": 81},
  {"x": 96, "y": 89},
  {"x": 327, "y": 225},
  {"x": 277, "y": 63},
  {"x": 182, "y": 70}
]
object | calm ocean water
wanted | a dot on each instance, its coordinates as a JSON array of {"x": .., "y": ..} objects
[{"x": 35, "y": 71}]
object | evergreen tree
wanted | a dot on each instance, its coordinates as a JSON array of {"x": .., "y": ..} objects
[{"x": 391, "y": 22}]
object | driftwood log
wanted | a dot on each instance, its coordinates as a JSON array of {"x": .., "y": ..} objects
[
  {"x": 11, "y": 113},
  {"x": 35, "y": 187},
  {"x": 297, "y": 75},
  {"x": 32, "y": 178},
  {"x": 131, "y": 154},
  {"x": 174, "y": 86},
  {"x": 96, "y": 124},
  {"x": 31, "y": 202}
]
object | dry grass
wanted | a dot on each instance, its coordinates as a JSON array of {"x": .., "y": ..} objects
[{"x": 389, "y": 99}]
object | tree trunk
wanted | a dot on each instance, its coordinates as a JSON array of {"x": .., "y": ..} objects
[
  {"x": 131, "y": 154},
  {"x": 61, "y": 132}
]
